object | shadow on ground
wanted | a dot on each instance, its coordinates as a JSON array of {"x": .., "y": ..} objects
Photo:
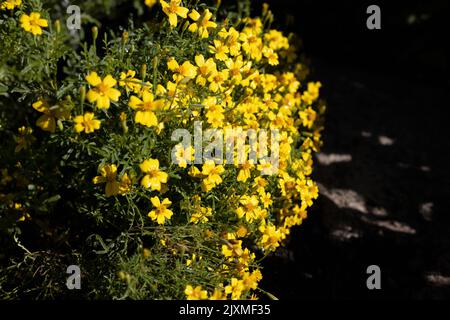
[{"x": 384, "y": 193}]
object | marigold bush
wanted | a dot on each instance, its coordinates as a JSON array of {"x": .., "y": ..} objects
[{"x": 87, "y": 173}]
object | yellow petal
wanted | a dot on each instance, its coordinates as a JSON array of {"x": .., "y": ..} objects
[{"x": 93, "y": 79}]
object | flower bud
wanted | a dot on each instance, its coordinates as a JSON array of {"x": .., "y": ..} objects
[
  {"x": 58, "y": 26},
  {"x": 143, "y": 72},
  {"x": 94, "y": 33}
]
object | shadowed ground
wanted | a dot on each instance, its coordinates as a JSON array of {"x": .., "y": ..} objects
[{"x": 384, "y": 194}]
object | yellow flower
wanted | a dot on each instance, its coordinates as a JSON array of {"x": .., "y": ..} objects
[
  {"x": 108, "y": 174},
  {"x": 183, "y": 156},
  {"x": 212, "y": 174},
  {"x": 251, "y": 44},
  {"x": 266, "y": 199},
  {"x": 250, "y": 280},
  {"x": 271, "y": 56},
  {"x": 215, "y": 113},
  {"x": 204, "y": 70},
  {"x": 218, "y": 294},
  {"x": 195, "y": 293},
  {"x": 184, "y": 72},
  {"x": 25, "y": 138},
  {"x": 129, "y": 81},
  {"x": 271, "y": 237},
  {"x": 172, "y": 9},
  {"x": 201, "y": 214},
  {"x": 220, "y": 50},
  {"x": 231, "y": 40},
  {"x": 202, "y": 22},
  {"x": 235, "y": 288},
  {"x": 245, "y": 171},
  {"x": 217, "y": 80},
  {"x": 86, "y": 123},
  {"x": 161, "y": 213},
  {"x": 249, "y": 208},
  {"x": 276, "y": 40},
  {"x": 150, "y": 3},
  {"x": 308, "y": 116},
  {"x": 125, "y": 184},
  {"x": 312, "y": 92},
  {"x": 154, "y": 177},
  {"x": 10, "y": 4},
  {"x": 103, "y": 92},
  {"x": 47, "y": 121},
  {"x": 33, "y": 23},
  {"x": 144, "y": 114}
]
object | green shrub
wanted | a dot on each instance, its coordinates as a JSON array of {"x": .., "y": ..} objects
[{"x": 87, "y": 172}]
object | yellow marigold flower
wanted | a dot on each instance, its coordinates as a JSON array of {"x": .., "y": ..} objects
[
  {"x": 33, "y": 23},
  {"x": 218, "y": 79},
  {"x": 195, "y": 293},
  {"x": 184, "y": 156},
  {"x": 10, "y": 4},
  {"x": 47, "y": 121},
  {"x": 233, "y": 248},
  {"x": 202, "y": 22},
  {"x": 249, "y": 208},
  {"x": 271, "y": 237},
  {"x": 276, "y": 40},
  {"x": 266, "y": 199},
  {"x": 235, "y": 288},
  {"x": 218, "y": 294},
  {"x": 271, "y": 56},
  {"x": 241, "y": 232},
  {"x": 150, "y": 3},
  {"x": 220, "y": 50},
  {"x": 231, "y": 38},
  {"x": 86, "y": 123},
  {"x": 245, "y": 171},
  {"x": 308, "y": 191},
  {"x": 103, "y": 92},
  {"x": 129, "y": 81},
  {"x": 25, "y": 138},
  {"x": 108, "y": 174},
  {"x": 250, "y": 280},
  {"x": 172, "y": 9},
  {"x": 312, "y": 93},
  {"x": 125, "y": 184},
  {"x": 145, "y": 107},
  {"x": 200, "y": 215},
  {"x": 184, "y": 72},
  {"x": 161, "y": 213},
  {"x": 308, "y": 116},
  {"x": 212, "y": 174},
  {"x": 153, "y": 176},
  {"x": 215, "y": 113},
  {"x": 251, "y": 44},
  {"x": 204, "y": 69},
  {"x": 236, "y": 68}
]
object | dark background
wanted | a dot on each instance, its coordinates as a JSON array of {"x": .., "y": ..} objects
[{"x": 387, "y": 203}]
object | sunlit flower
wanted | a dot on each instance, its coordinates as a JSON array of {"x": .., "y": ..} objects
[
  {"x": 108, "y": 175},
  {"x": 173, "y": 9},
  {"x": 196, "y": 293},
  {"x": 160, "y": 213},
  {"x": 103, "y": 91},
  {"x": 86, "y": 123},
  {"x": 153, "y": 176},
  {"x": 33, "y": 23},
  {"x": 144, "y": 109},
  {"x": 202, "y": 22},
  {"x": 10, "y": 4}
]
